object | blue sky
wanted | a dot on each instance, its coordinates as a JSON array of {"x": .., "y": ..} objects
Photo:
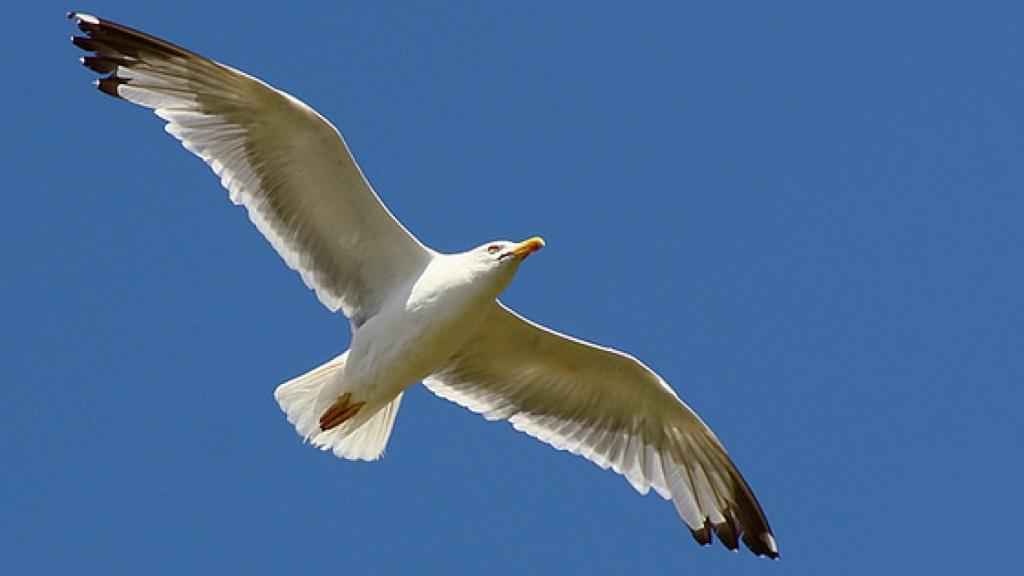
[{"x": 806, "y": 217}]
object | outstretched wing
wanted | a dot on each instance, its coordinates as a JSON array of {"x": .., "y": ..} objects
[
  {"x": 609, "y": 408},
  {"x": 278, "y": 157}
]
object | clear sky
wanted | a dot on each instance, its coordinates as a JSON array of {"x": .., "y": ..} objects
[{"x": 807, "y": 218}]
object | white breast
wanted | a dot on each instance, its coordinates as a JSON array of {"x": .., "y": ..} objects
[{"x": 416, "y": 332}]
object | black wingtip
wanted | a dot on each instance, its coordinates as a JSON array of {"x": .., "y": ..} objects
[
  {"x": 106, "y": 63},
  {"x": 703, "y": 534},
  {"x": 84, "y": 43},
  {"x": 109, "y": 85},
  {"x": 730, "y": 535},
  {"x": 761, "y": 544},
  {"x": 726, "y": 533},
  {"x": 96, "y": 64}
]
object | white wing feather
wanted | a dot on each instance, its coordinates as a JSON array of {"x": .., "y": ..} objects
[
  {"x": 609, "y": 408},
  {"x": 278, "y": 157}
]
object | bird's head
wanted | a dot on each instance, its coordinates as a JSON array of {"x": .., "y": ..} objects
[
  {"x": 504, "y": 254},
  {"x": 480, "y": 273},
  {"x": 495, "y": 263}
]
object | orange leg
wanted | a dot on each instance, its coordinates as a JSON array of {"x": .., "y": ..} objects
[{"x": 340, "y": 411}]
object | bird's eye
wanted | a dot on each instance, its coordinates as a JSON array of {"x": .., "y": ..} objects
[{"x": 493, "y": 248}]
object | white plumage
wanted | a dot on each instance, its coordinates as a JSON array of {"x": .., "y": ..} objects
[{"x": 417, "y": 315}]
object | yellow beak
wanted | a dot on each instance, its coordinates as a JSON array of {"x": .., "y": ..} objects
[{"x": 527, "y": 247}]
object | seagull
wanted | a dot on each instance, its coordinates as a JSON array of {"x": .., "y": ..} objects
[{"x": 417, "y": 315}]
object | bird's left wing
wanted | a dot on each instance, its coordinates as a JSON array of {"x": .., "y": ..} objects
[
  {"x": 609, "y": 408},
  {"x": 278, "y": 157}
]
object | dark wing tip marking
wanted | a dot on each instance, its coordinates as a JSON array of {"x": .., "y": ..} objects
[
  {"x": 730, "y": 537},
  {"x": 105, "y": 31},
  {"x": 98, "y": 64},
  {"x": 703, "y": 534},
  {"x": 113, "y": 45},
  {"x": 105, "y": 57},
  {"x": 726, "y": 533},
  {"x": 758, "y": 544},
  {"x": 109, "y": 85},
  {"x": 84, "y": 43},
  {"x": 745, "y": 520}
]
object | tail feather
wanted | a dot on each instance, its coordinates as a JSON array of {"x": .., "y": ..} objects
[{"x": 364, "y": 437}]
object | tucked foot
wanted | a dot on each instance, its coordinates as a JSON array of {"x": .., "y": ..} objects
[{"x": 342, "y": 409}]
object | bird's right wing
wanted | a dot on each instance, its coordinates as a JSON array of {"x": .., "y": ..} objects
[
  {"x": 609, "y": 408},
  {"x": 276, "y": 156}
]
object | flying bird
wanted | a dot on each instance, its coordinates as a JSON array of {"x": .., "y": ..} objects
[{"x": 417, "y": 315}]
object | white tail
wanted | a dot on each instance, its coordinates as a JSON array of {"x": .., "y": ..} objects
[{"x": 361, "y": 438}]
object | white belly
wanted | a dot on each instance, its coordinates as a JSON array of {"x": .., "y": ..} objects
[{"x": 406, "y": 341}]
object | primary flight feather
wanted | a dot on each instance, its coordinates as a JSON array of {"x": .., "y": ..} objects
[{"x": 416, "y": 314}]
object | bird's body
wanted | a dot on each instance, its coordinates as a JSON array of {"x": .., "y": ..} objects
[
  {"x": 415, "y": 314},
  {"x": 415, "y": 333}
]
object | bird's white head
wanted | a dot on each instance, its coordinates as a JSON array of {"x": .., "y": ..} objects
[
  {"x": 504, "y": 252},
  {"x": 506, "y": 255},
  {"x": 495, "y": 262},
  {"x": 477, "y": 275}
]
